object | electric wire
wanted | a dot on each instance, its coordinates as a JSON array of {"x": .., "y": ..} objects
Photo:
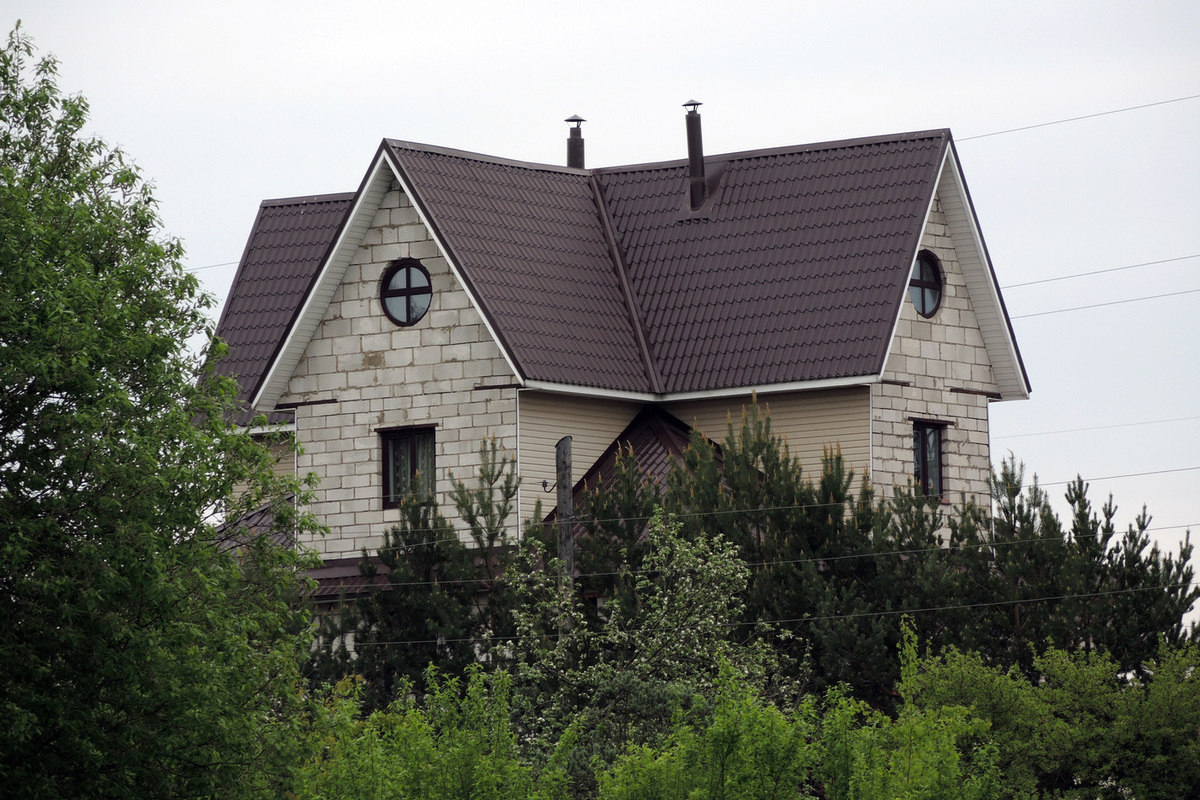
[
  {"x": 1094, "y": 428},
  {"x": 1102, "y": 305},
  {"x": 517, "y": 527},
  {"x": 1098, "y": 272},
  {"x": 1022, "y": 316},
  {"x": 1076, "y": 119},
  {"x": 799, "y": 620},
  {"x": 981, "y": 545},
  {"x": 211, "y": 266},
  {"x": 984, "y": 136}
]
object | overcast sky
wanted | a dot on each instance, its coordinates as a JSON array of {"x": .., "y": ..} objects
[{"x": 224, "y": 104}]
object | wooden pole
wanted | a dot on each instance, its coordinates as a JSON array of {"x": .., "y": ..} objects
[{"x": 565, "y": 509}]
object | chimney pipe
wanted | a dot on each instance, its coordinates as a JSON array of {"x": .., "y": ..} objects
[
  {"x": 575, "y": 142},
  {"x": 695, "y": 155}
]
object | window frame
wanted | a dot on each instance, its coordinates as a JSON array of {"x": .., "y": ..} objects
[
  {"x": 918, "y": 284},
  {"x": 408, "y": 292},
  {"x": 388, "y": 437},
  {"x": 921, "y": 457}
]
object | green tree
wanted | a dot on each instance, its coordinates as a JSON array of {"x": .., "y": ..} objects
[
  {"x": 1083, "y": 729},
  {"x": 455, "y": 742},
  {"x": 427, "y": 598},
  {"x": 831, "y": 571},
  {"x": 1035, "y": 581},
  {"x": 618, "y": 676},
  {"x": 144, "y": 650},
  {"x": 840, "y": 749},
  {"x": 416, "y": 613}
]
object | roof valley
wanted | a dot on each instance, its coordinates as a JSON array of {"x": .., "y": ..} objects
[{"x": 635, "y": 313}]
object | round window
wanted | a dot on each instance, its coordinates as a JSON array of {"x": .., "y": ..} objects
[
  {"x": 925, "y": 286},
  {"x": 405, "y": 292}
]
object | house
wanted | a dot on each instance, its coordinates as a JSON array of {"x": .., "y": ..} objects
[{"x": 455, "y": 296}]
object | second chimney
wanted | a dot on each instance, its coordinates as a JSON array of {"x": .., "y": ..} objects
[
  {"x": 695, "y": 155},
  {"x": 575, "y": 142}
]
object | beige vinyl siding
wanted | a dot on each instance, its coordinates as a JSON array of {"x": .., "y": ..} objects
[
  {"x": 284, "y": 454},
  {"x": 808, "y": 421},
  {"x": 544, "y": 418}
]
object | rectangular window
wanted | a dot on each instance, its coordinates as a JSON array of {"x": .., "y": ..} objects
[
  {"x": 927, "y": 457},
  {"x": 407, "y": 464}
]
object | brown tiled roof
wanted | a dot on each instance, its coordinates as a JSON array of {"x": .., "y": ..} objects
[
  {"x": 287, "y": 246},
  {"x": 657, "y": 440},
  {"x": 531, "y": 246},
  {"x": 342, "y": 577},
  {"x": 792, "y": 271}
]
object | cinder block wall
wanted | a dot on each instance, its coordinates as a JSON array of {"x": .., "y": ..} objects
[
  {"x": 436, "y": 372},
  {"x": 930, "y": 359}
]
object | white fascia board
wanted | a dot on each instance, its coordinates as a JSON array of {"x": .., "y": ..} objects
[
  {"x": 908, "y": 275},
  {"x": 371, "y": 194},
  {"x": 454, "y": 268},
  {"x": 708, "y": 394},
  {"x": 260, "y": 430},
  {"x": 981, "y": 282}
]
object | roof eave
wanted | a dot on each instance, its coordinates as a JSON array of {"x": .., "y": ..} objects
[
  {"x": 990, "y": 311},
  {"x": 333, "y": 268},
  {"x": 489, "y": 322},
  {"x": 704, "y": 394}
]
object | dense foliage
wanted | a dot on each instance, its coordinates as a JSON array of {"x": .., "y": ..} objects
[
  {"x": 797, "y": 587},
  {"x": 462, "y": 742},
  {"x": 1085, "y": 729},
  {"x": 144, "y": 649},
  {"x": 832, "y": 570}
]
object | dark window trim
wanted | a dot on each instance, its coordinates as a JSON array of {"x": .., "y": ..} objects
[
  {"x": 930, "y": 422},
  {"x": 386, "y": 435},
  {"x": 938, "y": 284},
  {"x": 304, "y": 403},
  {"x": 976, "y": 392},
  {"x": 408, "y": 292},
  {"x": 921, "y": 455}
]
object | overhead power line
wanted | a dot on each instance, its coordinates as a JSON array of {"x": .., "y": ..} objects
[
  {"x": 1095, "y": 428},
  {"x": 1098, "y": 272},
  {"x": 212, "y": 266},
  {"x": 1076, "y": 119},
  {"x": 1102, "y": 305},
  {"x": 517, "y": 527},
  {"x": 981, "y": 545},
  {"x": 1126, "y": 475},
  {"x": 967, "y": 139},
  {"x": 826, "y": 617}
]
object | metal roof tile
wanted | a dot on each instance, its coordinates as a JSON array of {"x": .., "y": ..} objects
[{"x": 792, "y": 271}]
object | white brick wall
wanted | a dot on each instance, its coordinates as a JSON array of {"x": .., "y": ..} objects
[
  {"x": 386, "y": 376},
  {"x": 929, "y": 358}
]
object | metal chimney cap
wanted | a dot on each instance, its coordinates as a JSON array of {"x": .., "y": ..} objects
[
  {"x": 691, "y": 105},
  {"x": 578, "y": 120}
]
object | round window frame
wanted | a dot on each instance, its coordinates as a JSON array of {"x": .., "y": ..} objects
[
  {"x": 915, "y": 282},
  {"x": 386, "y": 294}
]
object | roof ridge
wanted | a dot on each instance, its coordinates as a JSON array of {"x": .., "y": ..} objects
[
  {"x": 741, "y": 155},
  {"x": 835, "y": 144},
  {"x": 472, "y": 156},
  {"x": 308, "y": 198}
]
